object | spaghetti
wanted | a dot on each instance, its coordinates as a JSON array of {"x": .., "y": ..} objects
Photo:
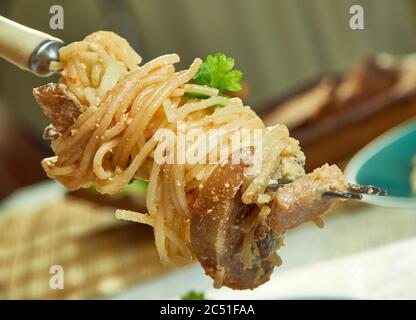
[{"x": 113, "y": 141}]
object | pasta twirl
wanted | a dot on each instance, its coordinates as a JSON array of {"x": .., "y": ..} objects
[{"x": 114, "y": 140}]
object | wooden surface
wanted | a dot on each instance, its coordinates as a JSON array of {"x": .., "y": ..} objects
[
  {"x": 339, "y": 145},
  {"x": 339, "y": 131}
]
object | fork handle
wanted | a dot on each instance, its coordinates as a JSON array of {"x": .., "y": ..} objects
[{"x": 27, "y": 48}]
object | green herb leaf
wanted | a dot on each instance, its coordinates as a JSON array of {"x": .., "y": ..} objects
[
  {"x": 217, "y": 72},
  {"x": 193, "y": 295},
  {"x": 91, "y": 188},
  {"x": 138, "y": 186},
  {"x": 193, "y": 95}
]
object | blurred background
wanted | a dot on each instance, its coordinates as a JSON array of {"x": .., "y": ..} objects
[
  {"x": 336, "y": 88},
  {"x": 279, "y": 45}
]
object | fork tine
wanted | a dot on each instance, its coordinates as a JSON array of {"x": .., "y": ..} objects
[
  {"x": 354, "y": 191},
  {"x": 276, "y": 184},
  {"x": 272, "y": 187},
  {"x": 366, "y": 189},
  {"x": 343, "y": 195}
]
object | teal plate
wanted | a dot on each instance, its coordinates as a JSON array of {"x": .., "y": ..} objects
[{"x": 386, "y": 163}]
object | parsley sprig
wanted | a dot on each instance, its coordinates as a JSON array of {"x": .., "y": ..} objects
[
  {"x": 193, "y": 295},
  {"x": 217, "y": 72}
]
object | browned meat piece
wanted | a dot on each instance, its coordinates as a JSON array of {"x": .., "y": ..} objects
[
  {"x": 58, "y": 104},
  {"x": 218, "y": 230},
  {"x": 303, "y": 107},
  {"x": 302, "y": 201},
  {"x": 366, "y": 80},
  {"x": 220, "y": 222}
]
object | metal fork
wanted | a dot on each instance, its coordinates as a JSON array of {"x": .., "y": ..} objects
[
  {"x": 27, "y": 48},
  {"x": 354, "y": 191}
]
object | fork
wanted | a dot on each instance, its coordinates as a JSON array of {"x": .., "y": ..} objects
[
  {"x": 27, "y": 48},
  {"x": 354, "y": 191}
]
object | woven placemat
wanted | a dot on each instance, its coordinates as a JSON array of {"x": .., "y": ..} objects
[{"x": 83, "y": 243}]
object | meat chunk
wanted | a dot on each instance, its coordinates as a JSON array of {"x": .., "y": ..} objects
[
  {"x": 218, "y": 228},
  {"x": 301, "y": 200},
  {"x": 58, "y": 104},
  {"x": 220, "y": 222},
  {"x": 366, "y": 80}
]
